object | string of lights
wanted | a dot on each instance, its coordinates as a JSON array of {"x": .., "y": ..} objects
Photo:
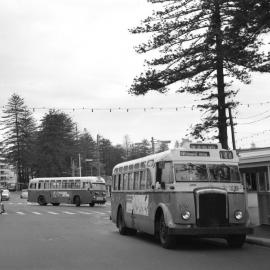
[
  {"x": 127, "y": 109},
  {"x": 254, "y": 135}
]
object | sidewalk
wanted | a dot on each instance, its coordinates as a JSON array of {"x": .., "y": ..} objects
[{"x": 261, "y": 236}]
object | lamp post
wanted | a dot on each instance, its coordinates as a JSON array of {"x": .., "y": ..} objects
[{"x": 89, "y": 160}]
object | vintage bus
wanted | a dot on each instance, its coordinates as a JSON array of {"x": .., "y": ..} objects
[
  {"x": 193, "y": 191},
  {"x": 69, "y": 190}
]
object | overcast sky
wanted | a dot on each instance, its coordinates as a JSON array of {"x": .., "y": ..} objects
[{"x": 76, "y": 54}]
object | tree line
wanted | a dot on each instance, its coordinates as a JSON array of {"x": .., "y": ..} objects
[{"x": 54, "y": 147}]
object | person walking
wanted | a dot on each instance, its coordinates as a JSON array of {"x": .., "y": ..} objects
[{"x": 2, "y": 208}]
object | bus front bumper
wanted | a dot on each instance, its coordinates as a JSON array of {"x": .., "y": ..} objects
[{"x": 193, "y": 230}]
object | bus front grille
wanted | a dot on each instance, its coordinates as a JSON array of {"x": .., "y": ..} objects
[{"x": 212, "y": 209}]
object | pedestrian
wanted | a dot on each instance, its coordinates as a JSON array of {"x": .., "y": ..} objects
[{"x": 2, "y": 209}]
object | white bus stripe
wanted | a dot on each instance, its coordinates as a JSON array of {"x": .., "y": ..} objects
[
  {"x": 20, "y": 213},
  {"x": 36, "y": 213}
]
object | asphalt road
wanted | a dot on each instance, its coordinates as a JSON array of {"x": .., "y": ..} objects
[{"x": 68, "y": 237}]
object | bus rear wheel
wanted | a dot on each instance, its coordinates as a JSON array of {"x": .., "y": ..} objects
[
  {"x": 166, "y": 240},
  {"x": 123, "y": 230},
  {"x": 92, "y": 204},
  {"x": 41, "y": 200},
  {"x": 236, "y": 241},
  {"x": 77, "y": 201}
]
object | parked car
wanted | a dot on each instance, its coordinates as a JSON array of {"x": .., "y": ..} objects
[
  {"x": 5, "y": 195},
  {"x": 24, "y": 194}
]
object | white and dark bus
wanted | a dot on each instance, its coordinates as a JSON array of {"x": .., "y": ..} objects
[
  {"x": 193, "y": 191},
  {"x": 68, "y": 190}
]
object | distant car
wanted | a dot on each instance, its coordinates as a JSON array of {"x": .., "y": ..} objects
[
  {"x": 24, "y": 194},
  {"x": 5, "y": 195}
]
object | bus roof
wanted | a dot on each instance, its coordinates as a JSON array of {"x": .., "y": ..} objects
[
  {"x": 92, "y": 179},
  {"x": 191, "y": 152}
]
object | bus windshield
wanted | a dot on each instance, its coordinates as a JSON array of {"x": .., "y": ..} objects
[
  {"x": 211, "y": 172},
  {"x": 98, "y": 186}
]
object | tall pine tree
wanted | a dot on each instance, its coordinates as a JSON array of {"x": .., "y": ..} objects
[
  {"x": 203, "y": 47},
  {"x": 19, "y": 133}
]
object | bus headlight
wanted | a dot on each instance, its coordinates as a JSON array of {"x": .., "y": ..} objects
[
  {"x": 185, "y": 215},
  {"x": 238, "y": 214}
]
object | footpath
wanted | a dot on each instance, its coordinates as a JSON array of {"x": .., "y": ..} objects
[{"x": 261, "y": 236}]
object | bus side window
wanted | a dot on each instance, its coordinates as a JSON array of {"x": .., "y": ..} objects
[
  {"x": 77, "y": 183},
  {"x": 148, "y": 179},
  {"x": 125, "y": 179},
  {"x": 64, "y": 184},
  {"x": 52, "y": 184},
  {"x": 114, "y": 182},
  {"x": 40, "y": 185},
  {"x": 58, "y": 184},
  {"x": 119, "y": 181},
  {"x": 136, "y": 181},
  {"x": 131, "y": 181},
  {"x": 167, "y": 171},
  {"x": 142, "y": 180},
  {"x": 47, "y": 185}
]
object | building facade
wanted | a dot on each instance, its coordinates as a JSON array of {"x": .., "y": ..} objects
[
  {"x": 255, "y": 170},
  {"x": 7, "y": 174}
]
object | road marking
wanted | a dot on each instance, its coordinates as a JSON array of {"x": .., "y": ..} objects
[
  {"x": 100, "y": 213},
  {"x": 4, "y": 213},
  {"x": 36, "y": 213},
  {"x": 20, "y": 213},
  {"x": 53, "y": 213},
  {"x": 10, "y": 203},
  {"x": 85, "y": 213},
  {"x": 69, "y": 213},
  {"x": 20, "y": 203}
]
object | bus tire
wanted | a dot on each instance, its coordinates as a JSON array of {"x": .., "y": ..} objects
[
  {"x": 55, "y": 204},
  {"x": 167, "y": 241},
  {"x": 236, "y": 241},
  {"x": 123, "y": 230},
  {"x": 92, "y": 204},
  {"x": 41, "y": 200},
  {"x": 77, "y": 201}
]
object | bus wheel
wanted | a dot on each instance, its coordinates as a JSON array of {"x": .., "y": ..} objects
[
  {"x": 166, "y": 240},
  {"x": 123, "y": 230},
  {"x": 92, "y": 204},
  {"x": 236, "y": 241},
  {"x": 77, "y": 201},
  {"x": 41, "y": 200},
  {"x": 55, "y": 204}
]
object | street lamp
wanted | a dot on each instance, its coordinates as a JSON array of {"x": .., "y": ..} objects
[{"x": 89, "y": 160}]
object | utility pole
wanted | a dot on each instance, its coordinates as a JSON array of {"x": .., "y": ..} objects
[
  {"x": 153, "y": 145},
  {"x": 232, "y": 129},
  {"x": 80, "y": 167},
  {"x": 98, "y": 155}
]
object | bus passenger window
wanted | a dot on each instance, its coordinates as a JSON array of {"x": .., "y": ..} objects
[
  {"x": 52, "y": 184},
  {"x": 58, "y": 184},
  {"x": 125, "y": 179},
  {"x": 47, "y": 185},
  {"x": 40, "y": 185},
  {"x": 142, "y": 180},
  {"x": 131, "y": 181},
  {"x": 166, "y": 175},
  {"x": 77, "y": 184},
  {"x": 64, "y": 184},
  {"x": 136, "y": 181},
  {"x": 148, "y": 179},
  {"x": 119, "y": 182}
]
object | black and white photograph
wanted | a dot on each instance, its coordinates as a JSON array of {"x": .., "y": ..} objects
[{"x": 134, "y": 134}]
